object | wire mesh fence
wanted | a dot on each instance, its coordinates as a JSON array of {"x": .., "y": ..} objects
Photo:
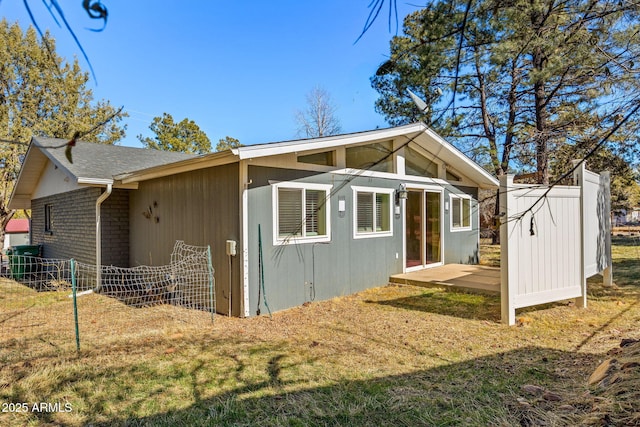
[{"x": 54, "y": 305}]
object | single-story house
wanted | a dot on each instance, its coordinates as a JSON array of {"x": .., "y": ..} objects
[
  {"x": 16, "y": 233},
  {"x": 622, "y": 217},
  {"x": 317, "y": 218}
]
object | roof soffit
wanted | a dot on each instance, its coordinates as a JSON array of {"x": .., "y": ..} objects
[{"x": 417, "y": 133}]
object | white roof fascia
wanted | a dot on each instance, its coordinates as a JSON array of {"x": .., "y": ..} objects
[
  {"x": 461, "y": 157},
  {"x": 420, "y": 133},
  {"x": 264, "y": 150}
]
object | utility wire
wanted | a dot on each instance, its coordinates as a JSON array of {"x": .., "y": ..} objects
[{"x": 579, "y": 163}]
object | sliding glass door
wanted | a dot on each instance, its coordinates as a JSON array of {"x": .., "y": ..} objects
[{"x": 423, "y": 228}]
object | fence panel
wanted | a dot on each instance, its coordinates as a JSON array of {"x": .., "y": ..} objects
[
  {"x": 37, "y": 313},
  {"x": 553, "y": 239},
  {"x": 541, "y": 245},
  {"x": 596, "y": 222}
]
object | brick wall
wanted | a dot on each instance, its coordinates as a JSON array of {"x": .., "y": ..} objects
[
  {"x": 72, "y": 233},
  {"x": 115, "y": 229}
]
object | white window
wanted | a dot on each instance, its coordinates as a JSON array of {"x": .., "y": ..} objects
[
  {"x": 372, "y": 212},
  {"x": 418, "y": 165},
  {"x": 460, "y": 213},
  {"x": 324, "y": 158},
  {"x": 301, "y": 212},
  {"x": 375, "y": 157}
]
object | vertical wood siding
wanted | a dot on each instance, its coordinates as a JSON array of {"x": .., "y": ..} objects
[{"x": 199, "y": 207}]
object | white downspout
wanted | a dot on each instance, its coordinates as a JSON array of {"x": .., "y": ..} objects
[{"x": 101, "y": 199}]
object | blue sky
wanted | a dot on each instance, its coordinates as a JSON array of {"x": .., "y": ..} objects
[{"x": 236, "y": 68}]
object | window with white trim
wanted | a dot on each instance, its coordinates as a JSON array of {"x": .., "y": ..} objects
[
  {"x": 372, "y": 212},
  {"x": 460, "y": 213},
  {"x": 324, "y": 158},
  {"x": 377, "y": 156},
  {"x": 301, "y": 212},
  {"x": 418, "y": 165}
]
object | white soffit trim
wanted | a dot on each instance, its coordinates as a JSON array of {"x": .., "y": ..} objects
[
  {"x": 420, "y": 133},
  {"x": 263, "y": 150}
]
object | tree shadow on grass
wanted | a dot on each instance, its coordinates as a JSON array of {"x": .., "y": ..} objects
[
  {"x": 625, "y": 241},
  {"x": 450, "y": 303},
  {"x": 481, "y": 391},
  {"x": 626, "y": 278},
  {"x": 626, "y": 272}
]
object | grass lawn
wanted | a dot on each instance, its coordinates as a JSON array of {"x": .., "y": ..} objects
[{"x": 395, "y": 355}]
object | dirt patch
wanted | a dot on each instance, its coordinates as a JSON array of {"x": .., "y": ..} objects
[
  {"x": 614, "y": 387},
  {"x": 611, "y": 399}
]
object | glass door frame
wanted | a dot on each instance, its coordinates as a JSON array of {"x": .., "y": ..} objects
[{"x": 423, "y": 189}]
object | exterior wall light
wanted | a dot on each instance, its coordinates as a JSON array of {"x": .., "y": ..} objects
[{"x": 401, "y": 194}]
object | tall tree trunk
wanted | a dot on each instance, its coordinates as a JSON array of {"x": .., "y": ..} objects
[
  {"x": 541, "y": 136},
  {"x": 495, "y": 237}
]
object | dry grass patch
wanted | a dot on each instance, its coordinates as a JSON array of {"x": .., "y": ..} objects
[
  {"x": 490, "y": 255},
  {"x": 392, "y": 355}
]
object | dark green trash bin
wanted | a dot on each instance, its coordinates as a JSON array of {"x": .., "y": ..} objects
[{"x": 21, "y": 260}]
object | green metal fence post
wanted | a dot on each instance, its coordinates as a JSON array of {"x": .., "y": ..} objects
[{"x": 75, "y": 302}]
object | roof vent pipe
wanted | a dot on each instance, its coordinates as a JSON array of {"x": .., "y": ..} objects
[{"x": 101, "y": 199}]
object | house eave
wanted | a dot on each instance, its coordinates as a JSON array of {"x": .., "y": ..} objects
[
  {"x": 18, "y": 202},
  {"x": 271, "y": 149},
  {"x": 94, "y": 181},
  {"x": 265, "y": 150},
  {"x": 200, "y": 162},
  {"x": 417, "y": 132},
  {"x": 456, "y": 158}
]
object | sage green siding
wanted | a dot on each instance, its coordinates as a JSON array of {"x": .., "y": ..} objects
[
  {"x": 300, "y": 272},
  {"x": 297, "y": 273},
  {"x": 462, "y": 247}
]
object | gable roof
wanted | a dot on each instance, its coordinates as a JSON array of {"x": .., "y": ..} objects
[
  {"x": 93, "y": 164},
  {"x": 104, "y": 161},
  {"x": 102, "y": 164},
  {"x": 417, "y": 133}
]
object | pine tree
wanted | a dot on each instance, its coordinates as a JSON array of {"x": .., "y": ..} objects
[
  {"x": 184, "y": 136},
  {"x": 515, "y": 80},
  {"x": 42, "y": 95}
]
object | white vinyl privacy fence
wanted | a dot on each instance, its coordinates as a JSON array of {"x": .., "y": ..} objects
[{"x": 552, "y": 240}]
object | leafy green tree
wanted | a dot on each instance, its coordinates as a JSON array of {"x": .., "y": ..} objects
[
  {"x": 519, "y": 78},
  {"x": 41, "y": 95},
  {"x": 227, "y": 143},
  {"x": 623, "y": 176},
  {"x": 185, "y": 136}
]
